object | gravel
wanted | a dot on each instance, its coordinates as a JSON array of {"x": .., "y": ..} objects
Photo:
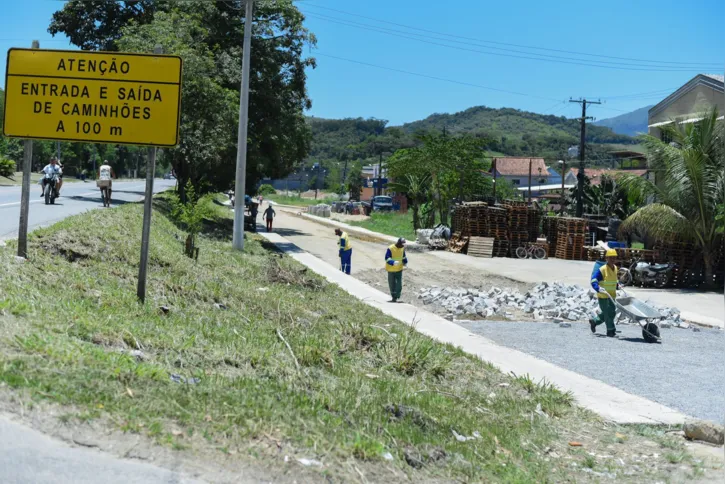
[{"x": 684, "y": 372}]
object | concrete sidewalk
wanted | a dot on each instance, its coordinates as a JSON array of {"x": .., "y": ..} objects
[{"x": 609, "y": 402}]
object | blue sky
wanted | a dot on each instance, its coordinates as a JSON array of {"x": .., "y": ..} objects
[{"x": 669, "y": 32}]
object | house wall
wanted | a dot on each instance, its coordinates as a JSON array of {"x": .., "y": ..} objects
[{"x": 699, "y": 100}]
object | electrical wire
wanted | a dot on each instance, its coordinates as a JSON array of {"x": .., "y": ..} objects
[
  {"x": 463, "y": 83},
  {"x": 712, "y": 64}
]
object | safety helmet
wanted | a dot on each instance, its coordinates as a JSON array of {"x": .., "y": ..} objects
[{"x": 611, "y": 253}]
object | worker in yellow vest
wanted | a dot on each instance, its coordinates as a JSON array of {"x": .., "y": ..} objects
[
  {"x": 606, "y": 283},
  {"x": 345, "y": 251},
  {"x": 395, "y": 262}
]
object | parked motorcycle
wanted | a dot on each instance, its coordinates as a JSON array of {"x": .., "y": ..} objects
[
  {"x": 646, "y": 274},
  {"x": 50, "y": 188}
]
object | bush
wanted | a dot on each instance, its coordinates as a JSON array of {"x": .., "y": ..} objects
[
  {"x": 266, "y": 189},
  {"x": 7, "y": 168}
]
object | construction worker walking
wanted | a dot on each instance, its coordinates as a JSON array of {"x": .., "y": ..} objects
[
  {"x": 345, "y": 251},
  {"x": 395, "y": 262},
  {"x": 605, "y": 283}
]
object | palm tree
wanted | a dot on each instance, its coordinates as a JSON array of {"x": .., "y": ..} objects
[
  {"x": 688, "y": 189},
  {"x": 417, "y": 189}
]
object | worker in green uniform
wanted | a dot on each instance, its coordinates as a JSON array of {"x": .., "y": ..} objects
[
  {"x": 395, "y": 261},
  {"x": 605, "y": 283}
]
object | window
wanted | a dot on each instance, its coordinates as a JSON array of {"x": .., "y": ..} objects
[
  {"x": 665, "y": 136},
  {"x": 515, "y": 181}
]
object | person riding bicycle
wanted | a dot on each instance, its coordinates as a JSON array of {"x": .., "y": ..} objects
[
  {"x": 105, "y": 182},
  {"x": 53, "y": 168}
]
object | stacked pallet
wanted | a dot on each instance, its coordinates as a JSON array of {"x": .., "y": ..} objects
[
  {"x": 549, "y": 229},
  {"x": 534, "y": 223},
  {"x": 481, "y": 246},
  {"x": 518, "y": 226},
  {"x": 501, "y": 248},
  {"x": 458, "y": 243},
  {"x": 477, "y": 219},
  {"x": 570, "y": 238}
]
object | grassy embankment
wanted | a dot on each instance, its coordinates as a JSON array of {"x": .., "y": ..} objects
[
  {"x": 390, "y": 223},
  {"x": 287, "y": 365},
  {"x": 298, "y": 201}
]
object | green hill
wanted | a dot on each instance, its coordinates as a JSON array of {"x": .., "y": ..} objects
[{"x": 511, "y": 132}]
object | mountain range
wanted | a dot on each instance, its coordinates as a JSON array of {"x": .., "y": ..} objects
[{"x": 630, "y": 124}]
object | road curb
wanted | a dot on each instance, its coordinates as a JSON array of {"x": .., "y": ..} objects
[{"x": 605, "y": 400}]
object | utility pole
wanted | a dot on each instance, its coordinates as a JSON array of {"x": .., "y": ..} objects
[
  {"x": 241, "y": 176},
  {"x": 147, "y": 211},
  {"x": 530, "y": 180},
  {"x": 582, "y": 143},
  {"x": 25, "y": 193},
  {"x": 563, "y": 173},
  {"x": 494, "y": 181},
  {"x": 380, "y": 172}
]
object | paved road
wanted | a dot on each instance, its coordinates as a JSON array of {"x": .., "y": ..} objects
[
  {"x": 76, "y": 198},
  {"x": 27, "y": 456},
  {"x": 684, "y": 372}
]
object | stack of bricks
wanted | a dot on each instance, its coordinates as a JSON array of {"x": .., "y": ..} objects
[{"x": 570, "y": 238}]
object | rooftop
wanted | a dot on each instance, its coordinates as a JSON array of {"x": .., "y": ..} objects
[
  {"x": 520, "y": 166},
  {"x": 595, "y": 174}
]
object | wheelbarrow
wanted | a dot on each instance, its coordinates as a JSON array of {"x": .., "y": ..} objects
[{"x": 640, "y": 313}]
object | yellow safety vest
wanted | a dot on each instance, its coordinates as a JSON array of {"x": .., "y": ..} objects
[
  {"x": 347, "y": 242},
  {"x": 396, "y": 254},
  {"x": 609, "y": 282}
]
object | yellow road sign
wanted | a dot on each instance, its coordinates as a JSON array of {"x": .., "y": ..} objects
[{"x": 97, "y": 97}]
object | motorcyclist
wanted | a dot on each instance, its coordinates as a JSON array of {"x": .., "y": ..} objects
[{"x": 53, "y": 168}]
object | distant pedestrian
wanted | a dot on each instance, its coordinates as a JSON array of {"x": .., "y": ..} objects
[
  {"x": 345, "y": 251},
  {"x": 395, "y": 262},
  {"x": 269, "y": 215},
  {"x": 606, "y": 283}
]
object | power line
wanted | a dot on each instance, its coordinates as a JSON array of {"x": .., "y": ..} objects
[
  {"x": 463, "y": 83},
  {"x": 712, "y": 64},
  {"x": 529, "y": 56}
]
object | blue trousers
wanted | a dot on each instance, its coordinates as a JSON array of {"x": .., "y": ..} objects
[{"x": 346, "y": 261}]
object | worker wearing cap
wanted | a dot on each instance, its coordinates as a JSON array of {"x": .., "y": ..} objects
[
  {"x": 395, "y": 261},
  {"x": 606, "y": 283},
  {"x": 345, "y": 251}
]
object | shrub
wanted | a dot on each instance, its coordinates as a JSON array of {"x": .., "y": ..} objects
[{"x": 266, "y": 189}]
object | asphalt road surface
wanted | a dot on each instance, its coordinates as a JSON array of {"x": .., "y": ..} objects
[
  {"x": 683, "y": 372},
  {"x": 29, "y": 456},
  {"x": 75, "y": 198}
]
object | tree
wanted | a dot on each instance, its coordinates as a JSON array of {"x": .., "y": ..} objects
[
  {"x": 354, "y": 183},
  {"x": 208, "y": 35},
  {"x": 688, "y": 188},
  {"x": 455, "y": 166},
  {"x": 416, "y": 189}
]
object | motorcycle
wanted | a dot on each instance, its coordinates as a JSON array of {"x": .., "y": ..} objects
[
  {"x": 646, "y": 274},
  {"x": 50, "y": 190}
]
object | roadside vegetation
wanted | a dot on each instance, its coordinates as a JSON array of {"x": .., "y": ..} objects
[
  {"x": 299, "y": 201},
  {"x": 252, "y": 356},
  {"x": 390, "y": 223}
]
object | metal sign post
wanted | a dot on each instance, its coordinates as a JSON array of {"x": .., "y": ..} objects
[{"x": 25, "y": 191}]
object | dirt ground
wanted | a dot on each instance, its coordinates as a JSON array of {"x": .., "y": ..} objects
[{"x": 424, "y": 270}]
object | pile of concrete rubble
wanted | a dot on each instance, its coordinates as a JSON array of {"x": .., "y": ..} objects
[{"x": 544, "y": 302}]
